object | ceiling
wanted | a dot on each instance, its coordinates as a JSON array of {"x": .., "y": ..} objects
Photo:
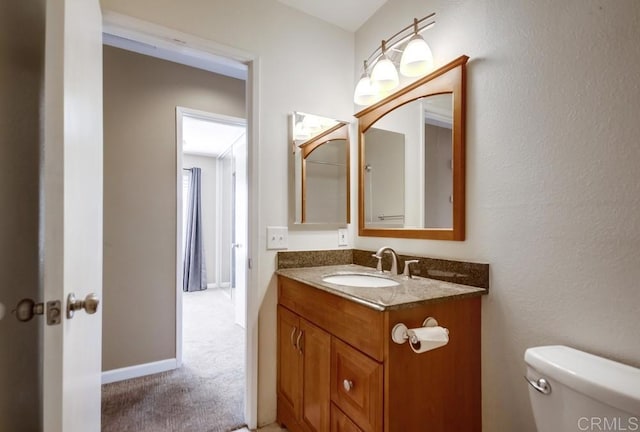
[
  {"x": 208, "y": 138},
  {"x": 347, "y": 14}
]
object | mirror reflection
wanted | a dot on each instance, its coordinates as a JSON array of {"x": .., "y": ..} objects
[
  {"x": 408, "y": 176},
  {"x": 320, "y": 170}
]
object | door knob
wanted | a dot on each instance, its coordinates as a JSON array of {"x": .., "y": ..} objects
[
  {"x": 89, "y": 304},
  {"x": 26, "y": 309}
]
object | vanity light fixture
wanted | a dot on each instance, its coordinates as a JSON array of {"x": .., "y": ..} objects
[
  {"x": 365, "y": 93},
  {"x": 416, "y": 61},
  {"x": 384, "y": 74}
]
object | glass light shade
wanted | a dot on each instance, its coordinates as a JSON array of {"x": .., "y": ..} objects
[
  {"x": 384, "y": 75},
  {"x": 365, "y": 93},
  {"x": 416, "y": 58}
]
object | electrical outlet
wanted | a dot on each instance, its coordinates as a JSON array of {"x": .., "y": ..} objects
[
  {"x": 342, "y": 237},
  {"x": 277, "y": 237}
]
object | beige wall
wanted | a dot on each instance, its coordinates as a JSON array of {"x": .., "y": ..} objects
[
  {"x": 21, "y": 77},
  {"x": 305, "y": 65},
  {"x": 552, "y": 177},
  {"x": 140, "y": 98}
]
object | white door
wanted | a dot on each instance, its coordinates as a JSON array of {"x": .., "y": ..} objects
[
  {"x": 241, "y": 224},
  {"x": 71, "y": 213}
]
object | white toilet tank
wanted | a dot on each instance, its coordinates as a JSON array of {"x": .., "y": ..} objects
[{"x": 578, "y": 391}]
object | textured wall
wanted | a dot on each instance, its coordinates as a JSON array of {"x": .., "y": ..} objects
[
  {"x": 140, "y": 98},
  {"x": 553, "y": 191}
]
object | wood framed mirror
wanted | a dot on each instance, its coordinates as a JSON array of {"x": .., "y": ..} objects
[
  {"x": 320, "y": 168},
  {"x": 411, "y": 179}
]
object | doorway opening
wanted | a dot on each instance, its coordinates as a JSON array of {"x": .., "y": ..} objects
[
  {"x": 213, "y": 158},
  {"x": 212, "y": 206},
  {"x": 156, "y": 41}
]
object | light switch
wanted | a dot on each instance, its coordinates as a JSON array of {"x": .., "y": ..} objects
[
  {"x": 277, "y": 237},
  {"x": 342, "y": 237}
]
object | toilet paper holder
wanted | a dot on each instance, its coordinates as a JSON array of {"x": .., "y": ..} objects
[{"x": 400, "y": 332}]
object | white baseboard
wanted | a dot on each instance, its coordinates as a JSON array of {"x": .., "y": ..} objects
[{"x": 137, "y": 371}]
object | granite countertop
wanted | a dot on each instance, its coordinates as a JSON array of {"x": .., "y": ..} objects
[{"x": 409, "y": 292}]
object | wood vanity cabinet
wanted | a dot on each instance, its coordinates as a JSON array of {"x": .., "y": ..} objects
[
  {"x": 339, "y": 370},
  {"x": 303, "y": 387}
]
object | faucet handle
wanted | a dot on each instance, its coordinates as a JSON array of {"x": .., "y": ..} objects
[
  {"x": 407, "y": 268},
  {"x": 379, "y": 258}
]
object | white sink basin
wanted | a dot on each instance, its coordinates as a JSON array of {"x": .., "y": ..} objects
[{"x": 360, "y": 280}]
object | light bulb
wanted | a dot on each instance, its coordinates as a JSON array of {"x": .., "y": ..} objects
[
  {"x": 365, "y": 93},
  {"x": 384, "y": 75},
  {"x": 417, "y": 58}
]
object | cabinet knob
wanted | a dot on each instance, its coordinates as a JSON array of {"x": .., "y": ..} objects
[{"x": 347, "y": 384}]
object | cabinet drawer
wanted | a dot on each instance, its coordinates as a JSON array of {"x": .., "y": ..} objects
[
  {"x": 356, "y": 385},
  {"x": 342, "y": 423},
  {"x": 354, "y": 323}
]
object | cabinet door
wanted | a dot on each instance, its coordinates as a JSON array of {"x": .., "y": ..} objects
[
  {"x": 316, "y": 384},
  {"x": 289, "y": 362},
  {"x": 341, "y": 423}
]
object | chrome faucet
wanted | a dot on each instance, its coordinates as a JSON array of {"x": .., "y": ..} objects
[{"x": 394, "y": 259}]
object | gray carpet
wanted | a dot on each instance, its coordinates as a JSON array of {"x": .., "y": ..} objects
[{"x": 205, "y": 395}]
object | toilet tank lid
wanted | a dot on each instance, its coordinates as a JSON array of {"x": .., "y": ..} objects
[{"x": 610, "y": 382}]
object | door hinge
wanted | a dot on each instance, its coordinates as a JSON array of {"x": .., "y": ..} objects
[{"x": 249, "y": 263}]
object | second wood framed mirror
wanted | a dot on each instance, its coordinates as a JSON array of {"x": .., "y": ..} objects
[
  {"x": 320, "y": 193},
  {"x": 412, "y": 159}
]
